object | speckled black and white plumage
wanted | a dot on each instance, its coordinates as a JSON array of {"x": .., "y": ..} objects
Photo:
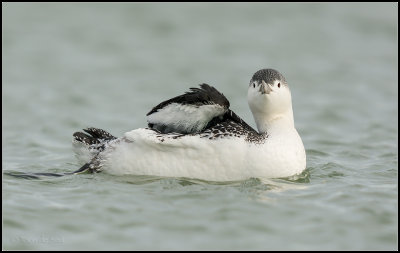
[
  {"x": 231, "y": 125},
  {"x": 93, "y": 136},
  {"x": 95, "y": 139},
  {"x": 227, "y": 126}
]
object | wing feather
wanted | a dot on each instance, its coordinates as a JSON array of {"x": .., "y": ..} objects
[{"x": 190, "y": 112}]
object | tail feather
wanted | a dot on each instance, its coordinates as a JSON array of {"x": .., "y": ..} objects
[
  {"x": 93, "y": 136},
  {"x": 87, "y": 145},
  {"x": 99, "y": 133}
]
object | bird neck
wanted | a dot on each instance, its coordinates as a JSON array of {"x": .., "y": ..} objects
[{"x": 272, "y": 122}]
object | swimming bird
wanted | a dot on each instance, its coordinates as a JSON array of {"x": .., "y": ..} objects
[{"x": 196, "y": 135}]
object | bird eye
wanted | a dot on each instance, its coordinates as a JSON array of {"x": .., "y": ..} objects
[
  {"x": 254, "y": 85},
  {"x": 279, "y": 85}
]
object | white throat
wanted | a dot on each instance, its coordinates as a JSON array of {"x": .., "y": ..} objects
[{"x": 270, "y": 122}]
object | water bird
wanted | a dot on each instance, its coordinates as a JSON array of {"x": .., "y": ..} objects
[{"x": 196, "y": 135}]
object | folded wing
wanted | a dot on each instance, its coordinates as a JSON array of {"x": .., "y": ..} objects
[{"x": 188, "y": 113}]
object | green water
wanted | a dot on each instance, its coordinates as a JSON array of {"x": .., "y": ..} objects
[{"x": 67, "y": 66}]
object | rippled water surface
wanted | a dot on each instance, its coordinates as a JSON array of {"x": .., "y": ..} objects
[{"x": 70, "y": 66}]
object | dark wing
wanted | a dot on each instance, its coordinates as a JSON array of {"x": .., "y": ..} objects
[{"x": 190, "y": 112}]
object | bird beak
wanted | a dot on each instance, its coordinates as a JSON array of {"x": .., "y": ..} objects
[{"x": 265, "y": 88}]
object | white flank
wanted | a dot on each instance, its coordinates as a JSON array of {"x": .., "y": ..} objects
[{"x": 215, "y": 160}]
